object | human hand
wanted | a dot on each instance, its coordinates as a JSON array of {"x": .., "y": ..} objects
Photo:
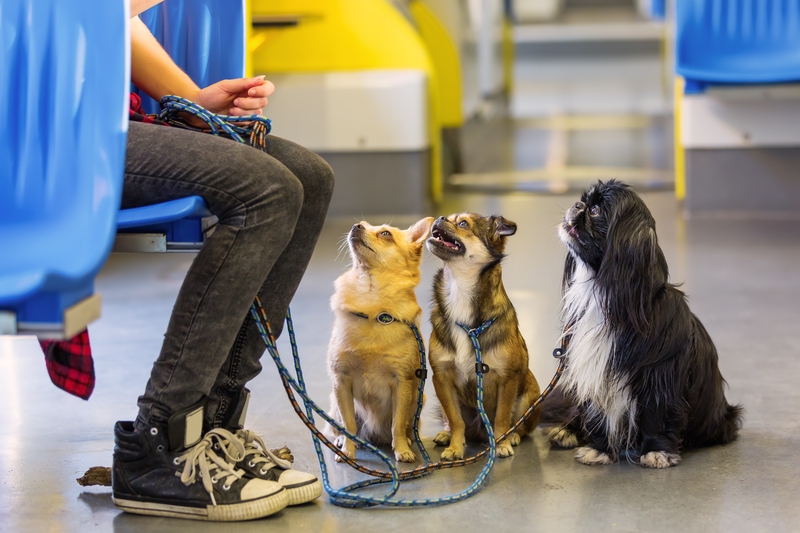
[{"x": 242, "y": 96}]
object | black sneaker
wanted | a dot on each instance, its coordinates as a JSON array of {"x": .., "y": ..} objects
[
  {"x": 173, "y": 472},
  {"x": 260, "y": 463}
]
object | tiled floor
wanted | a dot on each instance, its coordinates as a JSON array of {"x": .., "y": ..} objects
[{"x": 742, "y": 281}]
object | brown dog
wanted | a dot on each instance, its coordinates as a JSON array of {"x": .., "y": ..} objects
[
  {"x": 372, "y": 363},
  {"x": 469, "y": 290}
]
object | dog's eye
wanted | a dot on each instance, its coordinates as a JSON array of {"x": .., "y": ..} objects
[
  {"x": 463, "y": 224},
  {"x": 386, "y": 234},
  {"x": 594, "y": 211}
]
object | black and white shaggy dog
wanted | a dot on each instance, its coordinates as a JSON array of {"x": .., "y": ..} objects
[{"x": 642, "y": 378}]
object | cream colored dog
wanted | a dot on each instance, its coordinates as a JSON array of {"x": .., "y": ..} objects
[{"x": 372, "y": 361}]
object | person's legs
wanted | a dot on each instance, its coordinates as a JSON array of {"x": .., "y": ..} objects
[
  {"x": 226, "y": 400},
  {"x": 257, "y": 200},
  {"x": 157, "y": 459}
]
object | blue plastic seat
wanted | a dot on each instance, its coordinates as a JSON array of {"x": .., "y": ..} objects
[
  {"x": 63, "y": 98},
  {"x": 204, "y": 39},
  {"x": 658, "y": 9},
  {"x": 737, "y": 42}
]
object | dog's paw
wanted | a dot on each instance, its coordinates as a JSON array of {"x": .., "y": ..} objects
[
  {"x": 562, "y": 438},
  {"x": 339, "y": 441},
  {"x": 452, "y": 454},
  {"x": 404, "y": 456},
  {"x": 659, "y": 459},
  {"x": 514, "y": 439},
  {"x": 351, "y": 453},
  {"x": 592, "y": 457},
  {"x": 442, "y": 438},
  {"x": 504, "y": 449},
  {"x": 409, "y": 441}
]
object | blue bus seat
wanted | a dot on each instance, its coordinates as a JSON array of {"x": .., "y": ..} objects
[
  {"x": 658, "y": 9},
  {"x": 64, "y": 77},
  {"x": 200, "y": 37},
  {"x": 206, "y": 38},
  {"x": 178, "y": 224},
  {"x": 736, "y": 42}
]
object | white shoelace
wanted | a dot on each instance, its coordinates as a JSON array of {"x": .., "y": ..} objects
[
  {"x": 258, "y": 452},
  {"x": 201, "y": 460}
]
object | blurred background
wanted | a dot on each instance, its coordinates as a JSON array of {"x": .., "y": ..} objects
[
  {"x": 422, "y": 107},
  {"x": 537, "y": 96}
]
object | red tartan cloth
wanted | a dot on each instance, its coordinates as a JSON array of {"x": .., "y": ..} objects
[
  {"x": 137, "y": 113},
  {"x": 70, "y": 364}
]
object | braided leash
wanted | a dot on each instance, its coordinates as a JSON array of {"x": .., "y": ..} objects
[{"x": 256, "y": 133}]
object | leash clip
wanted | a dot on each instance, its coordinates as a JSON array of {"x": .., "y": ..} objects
[
  {"x": 481, "y": 368},
  {"x": 421, "y": 374}
]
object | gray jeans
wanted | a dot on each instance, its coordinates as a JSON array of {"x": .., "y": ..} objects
[{"x": 271, "y": 207}]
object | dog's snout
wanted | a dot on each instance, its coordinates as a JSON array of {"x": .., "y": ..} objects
[
  {"x": 574, "y": 212},
  {"x": 441, "y": 218},
  {"x": 358, "y": 227}
]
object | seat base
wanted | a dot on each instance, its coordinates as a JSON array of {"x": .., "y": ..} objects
[
  {"x": 151, "y": 243},
  {"x": 76, "y": 319},
  {"x": 758, "y": 182},
  {"x": 380, "y": 183}
]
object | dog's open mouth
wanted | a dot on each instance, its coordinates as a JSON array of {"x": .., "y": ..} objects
[
  {"x": 448, "y": 241},
  {"x": 573, "y": 232},
  {"x": 571, "y": 229}
]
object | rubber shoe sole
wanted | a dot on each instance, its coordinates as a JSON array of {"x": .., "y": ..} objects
[
  {"x": 304, "y": 493},
  {"x": 235, "y": 512}
]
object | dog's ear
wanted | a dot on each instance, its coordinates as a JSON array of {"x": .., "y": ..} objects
[
  {"x": 633, "y": 268},
  {"x": 504, "y": 227},
  {"x": 419, "y": 231}
]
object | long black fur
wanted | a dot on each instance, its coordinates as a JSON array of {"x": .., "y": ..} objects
[{"x": 661, "y": 349}]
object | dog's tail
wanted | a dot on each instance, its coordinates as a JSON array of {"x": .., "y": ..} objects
[
  {"x": 730, "y": 424},
  {"x": 557, "y": 408},
  {"x": 722, "y": 429}
]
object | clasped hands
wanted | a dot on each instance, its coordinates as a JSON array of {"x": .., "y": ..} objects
[{"x": 237, "y": 97}]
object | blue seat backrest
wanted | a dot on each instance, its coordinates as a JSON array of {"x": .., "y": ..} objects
[
  {"x": 658, "y": 9},
  {"x": 205, "y": 38},
  {"x": 738, "y": 41},
  {"x": 64, "y": 75}
]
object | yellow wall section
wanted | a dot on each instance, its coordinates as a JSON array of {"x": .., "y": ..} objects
[
  {"x": 446, "y": 61},
  {"x": 508, "y": 56},
  {"x": 336, "y": 35},
  {"x": 680, "y": 158}
]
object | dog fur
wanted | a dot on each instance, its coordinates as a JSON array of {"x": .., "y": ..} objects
[
  {"x": 372, "y": 365},
  {"x": 642, "y": 377},
  {"x": 468, "y": 290}
]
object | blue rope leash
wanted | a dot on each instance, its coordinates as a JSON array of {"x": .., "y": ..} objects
[
  {"x": 258, "y": 128},
  {"x": 256, "y": 133},
  {"x": 345, "y": 497}
]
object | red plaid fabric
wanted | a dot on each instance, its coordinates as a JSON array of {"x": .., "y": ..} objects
[
  {"x": 137, "y": 113},
  {"x": 70, "y": 364}
]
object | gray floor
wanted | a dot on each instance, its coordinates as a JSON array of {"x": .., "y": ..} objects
[
  {"x": 742, "y": 281},
  {"x": 741, "y": 277}
]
